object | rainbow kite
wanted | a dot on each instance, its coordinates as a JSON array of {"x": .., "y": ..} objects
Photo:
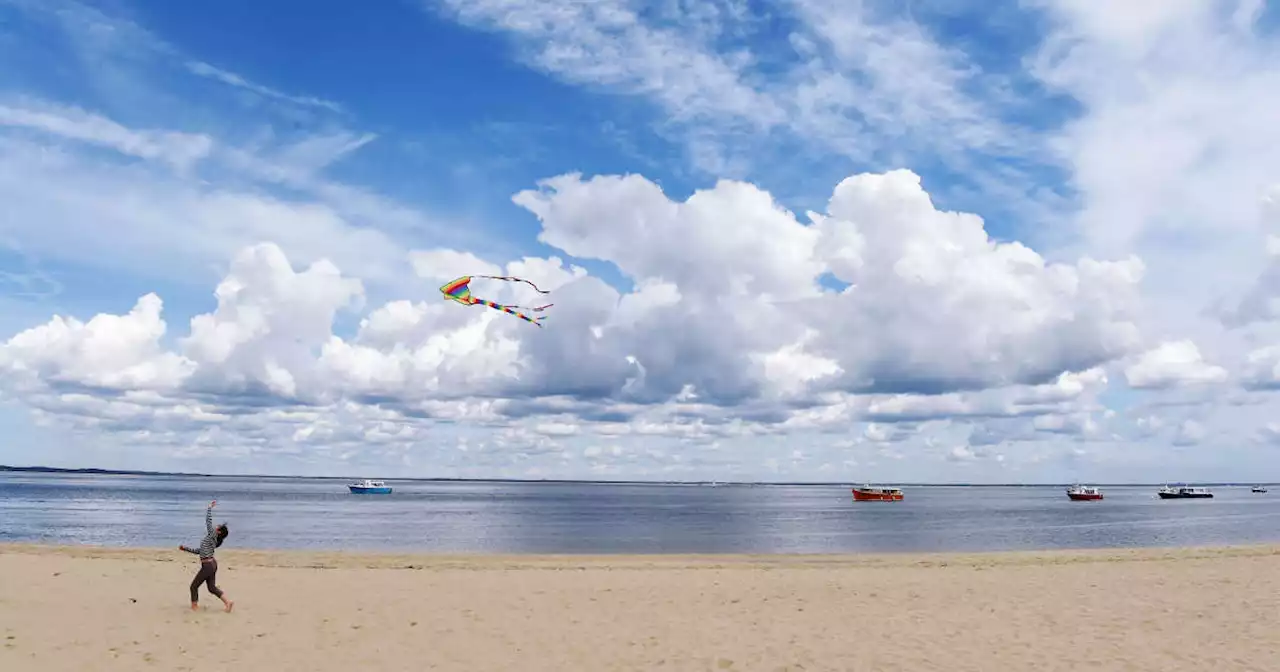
[{"x": 457, "y": 290}]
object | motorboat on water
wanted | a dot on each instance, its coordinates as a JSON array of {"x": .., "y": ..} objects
[
  {"x": 1184, "y": 492},
  {"x": 1257, "y": 488},
  {"x": 368, "y": 487},
  {"x": 1084, "y": 493},
  {"x": 867, "y": 493}
]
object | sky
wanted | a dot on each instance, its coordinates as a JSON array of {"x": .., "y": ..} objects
[{"x": 807, "y": 240}]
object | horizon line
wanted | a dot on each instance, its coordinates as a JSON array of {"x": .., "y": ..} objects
[{"x": 4, "y": 468}]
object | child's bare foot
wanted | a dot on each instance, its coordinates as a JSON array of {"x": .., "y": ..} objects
[
  {"x": 229, "y": 605},
  {"x": 195, "y": 607}
]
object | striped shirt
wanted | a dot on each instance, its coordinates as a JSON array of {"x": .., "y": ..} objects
[{"x": 210, "y": 538}]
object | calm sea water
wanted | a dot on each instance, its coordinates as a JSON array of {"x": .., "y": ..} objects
[{"x": 605, "y": 518}]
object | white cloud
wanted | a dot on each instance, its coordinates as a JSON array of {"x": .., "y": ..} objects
[
  {"x": 1133, "y": 28},
  {"x": 218, "y": 178},
  {"x": 1149, "y": 424},
  {"x": 1173, "y": 157},
  {"x": 846, "y": 78},
  {"x": 443, "y": 265},
  {"x": 1174, "y": 146},
  {"x": 179, "y": 149},
  {"x": 1080, "y": 424},
  {"x": 1269, "y": 433},
  {"x": 1261, "y": 302},
  {"x": 722, "y": 337},
  {"x": 1262, "y": 368},
  {"x": 889, "y": 74},
  {"x": 269, "y": 322},
  {"x": 120, "y": 218},
  {"x": 937, "y": 305},
  {"x": 121, "y": 352},
  {"x": 1171, "y": 364},
  {"x": 232, "y": 79},
  {"x": 966, "y": 454},
  {"x": 1189, "y": 433}
]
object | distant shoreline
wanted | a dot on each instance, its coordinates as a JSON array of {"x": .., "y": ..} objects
[{"x": 177, "y": 474}]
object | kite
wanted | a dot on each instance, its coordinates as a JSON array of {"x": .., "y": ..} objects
[{"x": 457, "y": 290}]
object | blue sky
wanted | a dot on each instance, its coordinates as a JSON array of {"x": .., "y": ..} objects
[
  {"x": 462, "y": 119},
  {"x": 147, "y": 144}
]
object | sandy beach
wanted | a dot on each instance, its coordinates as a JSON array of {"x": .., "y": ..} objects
[{"x": 126, "y": 609}]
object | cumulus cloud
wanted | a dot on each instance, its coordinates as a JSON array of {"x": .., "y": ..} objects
[
  {"x": 1171, "y": 364},
  {"x": 915, "y": 273},
  {"x": 269, "y": 322},
  {"x": 727, "y": 334},
  {"x": 117, "y": 352}
]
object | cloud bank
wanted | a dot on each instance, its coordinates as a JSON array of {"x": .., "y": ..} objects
[{"x": 1107, "y": 306}]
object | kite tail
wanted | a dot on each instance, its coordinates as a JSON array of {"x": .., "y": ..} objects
[
  {"x": 511, "y": 310},
  {"x": 532, "y": 309},
  {"x": 510, "y": 278},
  {"x": 535, "y": 321}
]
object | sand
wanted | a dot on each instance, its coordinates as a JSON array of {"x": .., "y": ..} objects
[{"x": 1152, "y": 610}]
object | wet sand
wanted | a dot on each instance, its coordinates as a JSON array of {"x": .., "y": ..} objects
[{"x": 81, "y": 608}]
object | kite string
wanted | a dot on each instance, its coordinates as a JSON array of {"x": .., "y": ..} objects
[{"x": 509, "y": 278}]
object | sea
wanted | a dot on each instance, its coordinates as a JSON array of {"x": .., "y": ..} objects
[{"x": 608, "y": 518}]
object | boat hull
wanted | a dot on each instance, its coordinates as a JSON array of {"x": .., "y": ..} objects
[
  {"x": 862, "y": 496},
  {"x": 1185, "y": 495},
  {"x": 1080, "y": 497},
  {"x": 357, "y": 490}
]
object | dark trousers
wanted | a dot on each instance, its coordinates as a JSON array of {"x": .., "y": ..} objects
[{"x": 208, "y": 571}]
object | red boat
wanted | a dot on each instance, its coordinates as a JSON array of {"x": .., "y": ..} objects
[
  {"x": 1083, "y": 493},
  {"x": 870, "y": 494}
]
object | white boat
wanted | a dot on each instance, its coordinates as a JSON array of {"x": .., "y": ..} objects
[
  {"x": 1084, "y": 493},
  {"x": 1184, "y": 492},
  {"x": 1258, "y": 488},
  {"x": 368, "y": 487}
]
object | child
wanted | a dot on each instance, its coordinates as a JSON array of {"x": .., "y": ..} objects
[{"x": 208, "y": 565}]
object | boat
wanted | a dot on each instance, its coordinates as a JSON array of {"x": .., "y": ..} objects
[
  {"x": 1257, "y": 488},
  {"x": 1184, "y": 492},
  {"x": 869, "y": 494},
  {"x": 368, "y": 487},
  {"x": 1084, "y": 493}
]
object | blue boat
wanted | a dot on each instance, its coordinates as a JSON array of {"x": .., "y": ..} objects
[{"x": 368, "y": 487}]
